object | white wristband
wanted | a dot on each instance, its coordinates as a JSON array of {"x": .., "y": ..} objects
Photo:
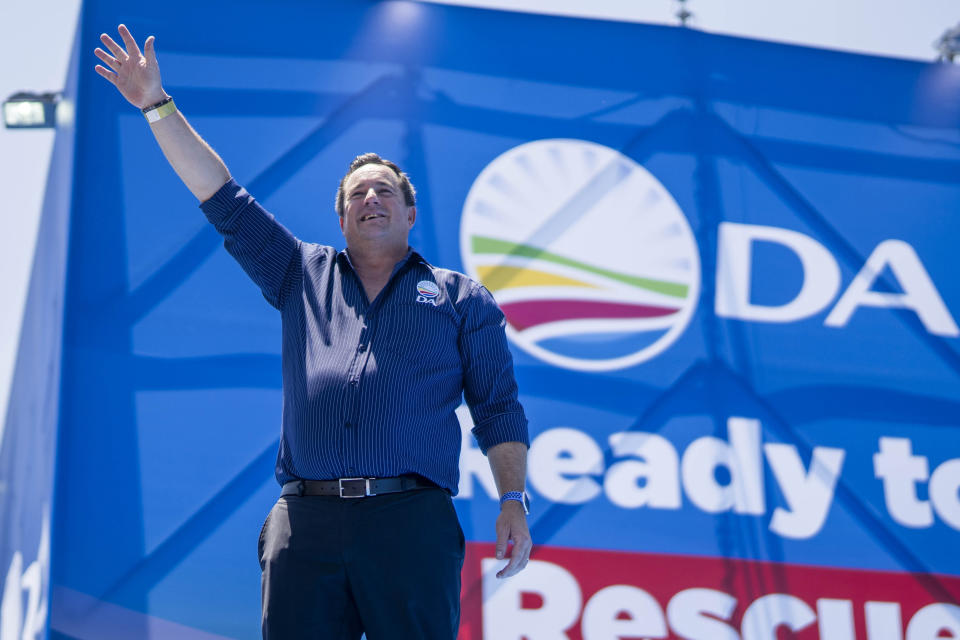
[{"x": 158, "y": 113}]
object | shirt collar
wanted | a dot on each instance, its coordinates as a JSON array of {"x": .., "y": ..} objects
[{"x": 411, "y": 256}]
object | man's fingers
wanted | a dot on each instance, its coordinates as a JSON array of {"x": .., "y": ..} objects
[
  {"x": 112, "y": 62},
  {"x": 112, "y": 77},
  {"x": 508, "y": 570},
  {"x": 519, "y": 557},
  {"x": 115, "y": 49},
  {"x": 523, "y": 549},
  {"x": 149, "y": 51},
  {"x": 501, "y": 542},
  {"x": 517, "y": 562},
  {"x": 128, "y": 40}
]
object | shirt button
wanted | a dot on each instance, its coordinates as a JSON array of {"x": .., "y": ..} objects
[
  {"x": 348, "y": 424},
  {"x": 351, "y": 470},
  {"x": 362, "y": 347},
  {"x": 354, "y": 382}
]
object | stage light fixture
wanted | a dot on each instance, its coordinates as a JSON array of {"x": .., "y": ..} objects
[
  {"x": 948, "y": 45},
  {"x": 26, "y": 110},
  {"x": 683, "y": 13}
]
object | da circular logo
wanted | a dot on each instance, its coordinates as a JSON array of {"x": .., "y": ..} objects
[
  {"x": 427, "y": 292},
  {"x": 590, "y": 258},
  {"x": 428, "y": 289}
]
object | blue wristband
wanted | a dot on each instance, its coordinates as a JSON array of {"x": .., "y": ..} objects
[
  {"x": 511, "y": 495},
  {"x": 519, "y": 496}
]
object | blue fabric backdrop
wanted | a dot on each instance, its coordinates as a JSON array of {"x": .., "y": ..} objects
[{"x": 170, "y": 398}]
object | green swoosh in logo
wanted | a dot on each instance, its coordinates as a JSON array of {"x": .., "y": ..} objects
[{"x": 483, "y": 244}]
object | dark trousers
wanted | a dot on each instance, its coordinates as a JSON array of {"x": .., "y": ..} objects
[{"x": 387, "y": 565}]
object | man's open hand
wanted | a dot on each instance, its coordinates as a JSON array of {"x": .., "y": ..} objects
[
  {"x": 136, "y": 75},
  {"x": 512, "y": 526}
]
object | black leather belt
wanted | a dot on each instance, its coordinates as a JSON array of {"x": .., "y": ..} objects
[{"x": 354, "y": 487}]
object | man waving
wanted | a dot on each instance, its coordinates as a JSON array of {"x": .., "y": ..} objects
[{"x": 379, "y": 346}]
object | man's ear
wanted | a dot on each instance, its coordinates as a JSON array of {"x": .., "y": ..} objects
[
  {"x": 341, "y": 223},
  {"x": 411, "y": 215}
]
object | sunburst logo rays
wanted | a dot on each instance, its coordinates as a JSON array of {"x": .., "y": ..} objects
[{"x": 590, "y": 258}]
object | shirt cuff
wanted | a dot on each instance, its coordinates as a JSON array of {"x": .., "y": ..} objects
[
  {"x": 506, "y": 427},
  {"x": 222, "y": 205}
]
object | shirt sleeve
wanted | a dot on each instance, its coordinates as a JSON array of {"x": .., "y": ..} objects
[
  {"x": 489, "y": 386},
  {"x": 265, "y": 249}
]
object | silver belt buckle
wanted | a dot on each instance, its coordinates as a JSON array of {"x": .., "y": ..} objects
[{"x": 355, "y": 487}]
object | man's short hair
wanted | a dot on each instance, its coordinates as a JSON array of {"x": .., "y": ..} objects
[{"x": 409, "y": 193}]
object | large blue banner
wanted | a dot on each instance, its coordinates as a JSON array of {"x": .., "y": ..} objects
[{"x": 727, "y": 272}]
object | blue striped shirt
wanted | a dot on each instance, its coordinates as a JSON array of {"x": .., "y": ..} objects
[{"x": 370, "y": 388}]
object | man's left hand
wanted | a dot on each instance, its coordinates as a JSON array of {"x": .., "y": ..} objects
[{"x": 512, "y": 527}]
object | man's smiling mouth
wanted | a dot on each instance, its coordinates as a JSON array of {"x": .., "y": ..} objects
[{"x": 371, "y": 216}]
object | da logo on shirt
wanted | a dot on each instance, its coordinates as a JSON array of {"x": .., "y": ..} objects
[
  {"x": 590, "y": 258},
  {"x": 427, "y": 292}
]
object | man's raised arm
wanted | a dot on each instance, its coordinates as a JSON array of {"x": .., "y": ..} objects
[{"x": 136, "y": 75}]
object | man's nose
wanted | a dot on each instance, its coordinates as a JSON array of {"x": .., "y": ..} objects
[{"x": 371, "y": 195}]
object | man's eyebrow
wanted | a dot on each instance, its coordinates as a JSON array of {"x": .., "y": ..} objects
[{"x": 378, "y": 183}]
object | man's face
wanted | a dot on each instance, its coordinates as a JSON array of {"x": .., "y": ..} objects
[{"x": 374, "y": 207}]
